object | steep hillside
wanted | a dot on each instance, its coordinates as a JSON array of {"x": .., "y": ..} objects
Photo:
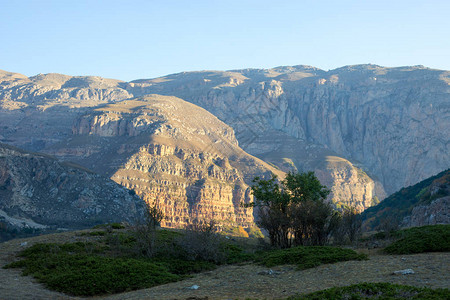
[
  {"x": 38, "y": 191},
  {"x": 172, "y": 153},
  {"x": 425, "y": 203}
]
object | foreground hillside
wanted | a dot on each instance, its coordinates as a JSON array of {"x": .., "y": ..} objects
[
  {"x": 38, "y": 192},
  {"x": 242, "y": 281}
]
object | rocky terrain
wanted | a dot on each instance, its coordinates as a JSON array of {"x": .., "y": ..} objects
[
  {"x": 39, "y": 192},
  {"x": 434, "y": 205},
  {"x": 392, "y": 122},
  {"x": 172, "y": 153},
  {"x": 365, "y": 130}
]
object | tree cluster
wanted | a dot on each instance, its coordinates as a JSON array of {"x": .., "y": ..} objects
[{"x": 294, "y": 211}]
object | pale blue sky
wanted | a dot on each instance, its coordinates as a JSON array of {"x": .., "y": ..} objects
[{"x": 143, "y": 39}]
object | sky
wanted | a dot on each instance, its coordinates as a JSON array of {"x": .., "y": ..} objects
[{"x": 145, "y": 39}]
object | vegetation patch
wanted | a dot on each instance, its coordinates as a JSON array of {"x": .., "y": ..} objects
[
  {"x": 377, "y": 291},
  {"x": 88, "y": 269},
  {"x": 308, "y": 256},
  {"x": 433, "y": 238}
]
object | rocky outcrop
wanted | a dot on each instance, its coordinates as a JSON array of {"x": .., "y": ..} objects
[
  {"x": 425, "y": 203},
  {"x": 38, "y": 191},
  {"x": 437, "y": 212},
  {"x": 174, "y": 154},
  {"x": 43, "y": 88},
  {"x": 434, "y": 205}
]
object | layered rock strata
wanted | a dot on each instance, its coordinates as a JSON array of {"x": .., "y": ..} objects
[{"x": 174, "y": 154}]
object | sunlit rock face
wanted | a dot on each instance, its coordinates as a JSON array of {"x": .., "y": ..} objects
[
  {"x": 174, "y": 154},
  {"x": 38, "y": 191}
]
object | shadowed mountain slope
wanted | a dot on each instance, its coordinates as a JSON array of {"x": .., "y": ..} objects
[
  {"x": 38, "y": 191},
  {"x": 425, "y": 203}
]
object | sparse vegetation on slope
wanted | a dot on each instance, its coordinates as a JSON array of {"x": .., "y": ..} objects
[
  {"x": 116, "y": 260},
  {"x": 391, "y": 211},
  {"x": 108, "y": 266},
  {"x": 377, "y": 291}
]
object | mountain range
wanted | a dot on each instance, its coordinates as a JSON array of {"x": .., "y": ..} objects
[{"x": 191, "y": 142}]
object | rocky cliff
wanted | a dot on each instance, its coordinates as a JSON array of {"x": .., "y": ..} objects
[
  {"x": 38, "y": 191},
  {"x": 392, "y": 122},
  {"x": 174, "y": 154}
]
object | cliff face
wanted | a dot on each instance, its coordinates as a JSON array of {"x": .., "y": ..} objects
[
  {"x": 38, "y": 191},
  {"x": 174, "y": 154},
  {"x": 394, "y": 121}
]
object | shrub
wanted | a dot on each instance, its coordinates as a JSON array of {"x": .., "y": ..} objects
[
  {"x": 432, "y": 238},
  {"x": 346, "y": 226},
  {"x": 83, "y": 269},
  {"x": 202, "y": 242},
  {"x": 308, "y": 257}
]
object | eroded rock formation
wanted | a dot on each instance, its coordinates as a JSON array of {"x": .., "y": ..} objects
[{"x": 172, "y": 153}]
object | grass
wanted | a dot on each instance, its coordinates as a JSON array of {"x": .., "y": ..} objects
[
  {"x": 433, "y": 238},
  {"x": 376, "y": 291},
  {"x": 308, "y": 257}
]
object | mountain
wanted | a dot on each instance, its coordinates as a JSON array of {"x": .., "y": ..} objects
[
  {"x": 391, "y": 122},
  {"x": 38, "y": 191},
  {"x": 174, "y": 154},
  {"x": 425, "y": 203},
  {"x": 365, "y": 130}
]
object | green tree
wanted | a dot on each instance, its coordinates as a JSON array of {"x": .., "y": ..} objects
[{"x": 293, "y": 210}]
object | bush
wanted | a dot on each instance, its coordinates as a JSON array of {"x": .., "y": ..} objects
[
  {"x": 346, "y": 226},
  {"x": 145, "y": 231},
  {"x": 376, "y": 291},
  {"x": 308, "y": 257},
  {"x": 202, "y": 242},
  {"x": 433, "y": 238}
]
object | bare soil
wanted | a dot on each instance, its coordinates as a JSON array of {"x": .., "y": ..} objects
[{"x": 245, "y": 281}]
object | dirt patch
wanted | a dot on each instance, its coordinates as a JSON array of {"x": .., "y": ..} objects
[
  {"x": 241, "y": 282},
  {"x": 245, "y": 281}
]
